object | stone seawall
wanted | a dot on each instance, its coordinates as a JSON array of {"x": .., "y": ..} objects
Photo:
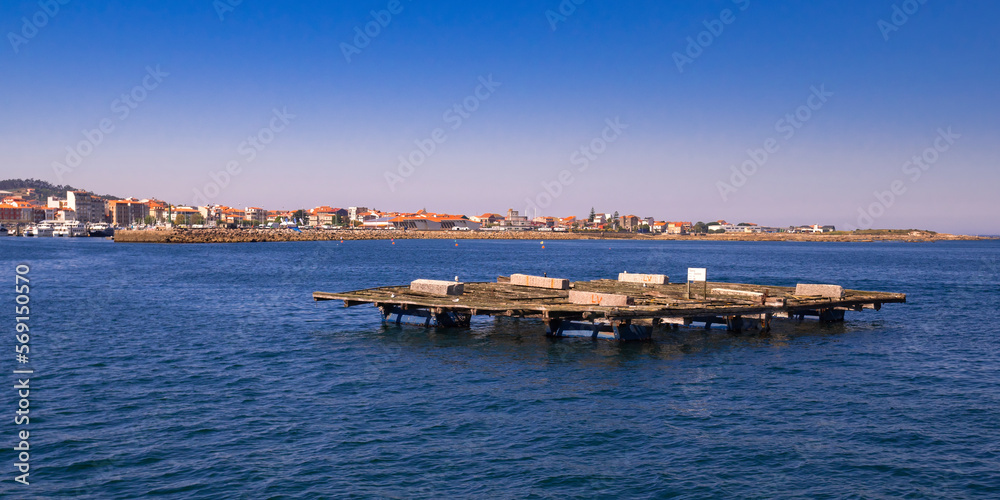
[
  {"x": 258, "y": 235},
  {"x": 261, "y": 235}
]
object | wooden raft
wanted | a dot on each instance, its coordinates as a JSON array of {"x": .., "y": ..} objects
[{"x": 738, "y": 306}]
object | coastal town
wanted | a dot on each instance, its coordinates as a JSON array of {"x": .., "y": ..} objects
[{"x": 81, "y": 213}]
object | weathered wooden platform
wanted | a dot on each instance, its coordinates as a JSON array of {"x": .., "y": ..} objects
[{"x": 738, "y": 306}]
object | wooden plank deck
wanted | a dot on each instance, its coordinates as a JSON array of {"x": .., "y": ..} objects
[{"x": 650, "y": 301}]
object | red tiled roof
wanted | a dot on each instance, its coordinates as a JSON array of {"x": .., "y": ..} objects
[{"x": 421, "y": 215}]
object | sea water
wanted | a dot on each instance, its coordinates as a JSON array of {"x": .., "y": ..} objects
[{"x": 207, "y": 371}]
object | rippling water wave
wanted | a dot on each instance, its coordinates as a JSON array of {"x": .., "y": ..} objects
[{"x": 208, "y": 372}]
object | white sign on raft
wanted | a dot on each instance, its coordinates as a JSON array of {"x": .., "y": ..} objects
[{"x": 697, "y": 274}]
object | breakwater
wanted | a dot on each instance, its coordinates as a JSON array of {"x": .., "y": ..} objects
[
  {"x": 261, "y": 235},
  {"x": 265, "y": 235}
]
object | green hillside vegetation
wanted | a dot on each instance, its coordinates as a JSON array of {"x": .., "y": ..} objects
[{"x": 44, "y": 189}]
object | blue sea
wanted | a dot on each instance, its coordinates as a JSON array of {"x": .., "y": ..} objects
[{"x": 207, "y": 371}]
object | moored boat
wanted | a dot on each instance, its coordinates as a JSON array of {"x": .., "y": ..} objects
[
  {"x": 100, "y": 230},
  {"x": 38, "y": 230},
  {"x": 69, "y": 229}
]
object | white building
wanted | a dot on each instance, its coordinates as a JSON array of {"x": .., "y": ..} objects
[
  {"x": 428, "y": 222},
  {"x": 88, "y": 208},
  {"x": 515, "y": 221},
  {"x": 355, "y": 213},
  {"x": 56, "y": 203},
  {"x": 255, "y": 214},
  {"x": 816, "y": 228},
  {"x": 65, "y": 214},
  {"x": 734, "y": 228}
]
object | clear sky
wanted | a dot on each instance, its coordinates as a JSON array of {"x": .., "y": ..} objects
[{"x": 636, "y": 107}]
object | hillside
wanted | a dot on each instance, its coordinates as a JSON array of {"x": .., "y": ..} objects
[{"x": 44, "y": 189}]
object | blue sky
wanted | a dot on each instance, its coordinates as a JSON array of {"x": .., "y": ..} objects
[{"x": 693, "y": 90}]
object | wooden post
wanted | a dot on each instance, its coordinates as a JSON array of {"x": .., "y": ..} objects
[
  {"x": 552, "y": 327},
  {"x": 734, "y": 323},
  {"x": 765, "y": 323}
]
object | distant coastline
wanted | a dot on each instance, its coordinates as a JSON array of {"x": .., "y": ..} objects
[{"x": 273, "y": 235}]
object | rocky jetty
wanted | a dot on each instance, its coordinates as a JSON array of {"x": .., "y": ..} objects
[{"x": 262, "y": 235}]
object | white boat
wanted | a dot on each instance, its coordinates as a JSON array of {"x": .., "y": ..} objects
[
  {"x": 69, "y": 229},
  {"x": 39, "y": 230}
]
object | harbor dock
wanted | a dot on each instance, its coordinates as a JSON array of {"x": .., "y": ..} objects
[{"x": 629, "y": 308}]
